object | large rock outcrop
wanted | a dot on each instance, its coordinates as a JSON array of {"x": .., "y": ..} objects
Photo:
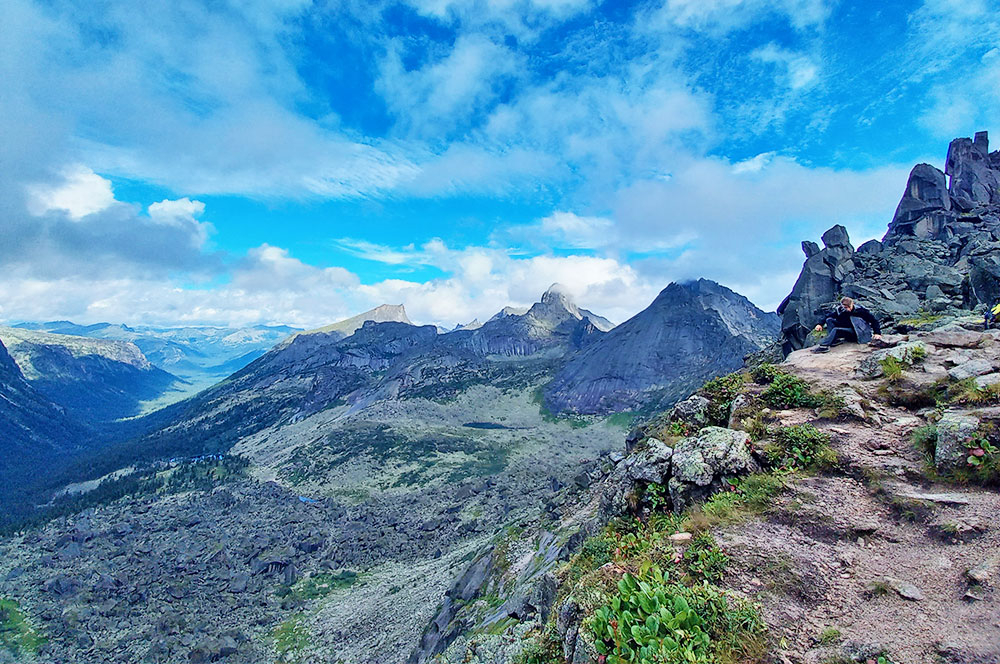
[{"x": 940, "y": 252}]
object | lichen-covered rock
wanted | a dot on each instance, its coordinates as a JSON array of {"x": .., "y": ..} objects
[
  {"x": 699, "y": 463},
  {"x": 652, "y": 464},
  {"x": 692, "y": 411},
  {"x": 953, "y": 430},
  {"x": 907, "y": 353}
]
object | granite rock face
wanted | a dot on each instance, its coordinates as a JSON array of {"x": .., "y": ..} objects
[{"x": 940, "y": 253}]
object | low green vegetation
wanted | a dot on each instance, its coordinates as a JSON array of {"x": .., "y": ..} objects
[
  {"x": 747, "y": 496},
  {"x": 650, "y": 619},
  {"x": 646, "y": 598},
  {"x": 921, "y": 319},
  {"x": 829, "y": 636},
  {"x": 18, "y": 636},
  {"x": 321, "y": 585},
  {"x": 764, "y": 374},
  {"x": 982, "y": 459},
  {"x": 941, "y": 393},
  {"x": 721, "y": 392},
  {"x": 788, "y": 391},
  {"x": 705, "y": 560},
  {"x": 291, "y": 638},
  {"x": 892, "y": 368},
  {"x": 801, "y": 446}
]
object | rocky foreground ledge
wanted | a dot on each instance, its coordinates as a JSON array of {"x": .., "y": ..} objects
[{"x": 848, "y": 500}]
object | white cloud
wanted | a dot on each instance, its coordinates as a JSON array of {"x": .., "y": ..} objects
[
  {"x": 445, "y": 93},
  {"x": 271, "y": 286},
  {"x": 726, "y": 15},
  {"x": 182, "y": 213},
  {"x": 796, "y": 70},
  {"x": 81, "y": 192}
]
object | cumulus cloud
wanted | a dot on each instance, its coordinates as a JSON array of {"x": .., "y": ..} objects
[{"x": 80, "y": 193}]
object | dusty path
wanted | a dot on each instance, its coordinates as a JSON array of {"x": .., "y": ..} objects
[{"x": 840, "y": 551}]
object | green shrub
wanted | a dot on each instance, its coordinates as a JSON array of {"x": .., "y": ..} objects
[
  {"x": 649, "y": 620},
  {"x": 800, "y": 446},
  {"x": 704, "y": 559},
  {"x": 982, "y": 461},
  {"x": 765, "y": 373},
  {"x": 720, "y": 392},
  {"x": 788, "y": 391},
  {"x": 892, "y": 368},
  {"x": 658, "y": 496}
]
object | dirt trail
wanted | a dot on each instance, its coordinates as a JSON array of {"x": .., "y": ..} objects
[{"x": 841, "y": 550}]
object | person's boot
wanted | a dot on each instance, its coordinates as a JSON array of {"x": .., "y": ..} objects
[{"x": 821, "y": 349}]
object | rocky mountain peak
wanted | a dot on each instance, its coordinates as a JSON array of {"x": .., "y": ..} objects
[
  {"x": 974, "y": 172},
  {"x": 384, "y": 313},
  {"x": 691, "y": 332},
  {"x": 555, "y": 306}
]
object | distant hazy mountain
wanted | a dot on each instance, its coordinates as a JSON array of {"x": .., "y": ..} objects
[
  {"x": 384, "y": 313},
  {"x": 690, "y": 333},
  {"x": 94, "y": 379},
  {"x": 201, "y": 356}
]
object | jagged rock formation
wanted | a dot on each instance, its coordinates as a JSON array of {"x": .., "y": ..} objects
[
  {"x": 690, "y": 332},
  {"x": 938, "y": 255},
  {"x": 96, "y": 379}
]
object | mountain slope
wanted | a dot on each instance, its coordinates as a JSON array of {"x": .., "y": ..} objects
[
  {"x": 96, "y": 379},
  {"x": 35, "y": 434},
  {"x": 691, "y": 332}
]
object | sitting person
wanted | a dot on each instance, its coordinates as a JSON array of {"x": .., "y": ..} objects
[{"x": 842, "y": 326}]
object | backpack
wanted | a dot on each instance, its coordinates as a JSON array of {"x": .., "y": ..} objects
[{"x": 992, "y": 316}]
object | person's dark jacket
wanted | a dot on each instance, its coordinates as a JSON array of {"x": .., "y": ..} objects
[{"x": 844, "y": 318}]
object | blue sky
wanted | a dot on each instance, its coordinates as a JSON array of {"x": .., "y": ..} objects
[{"x": 289, "y": 161}]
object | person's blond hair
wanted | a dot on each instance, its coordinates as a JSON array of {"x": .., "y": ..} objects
[{"x": 846, "y": 301}]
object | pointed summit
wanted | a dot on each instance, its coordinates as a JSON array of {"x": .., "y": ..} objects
[
  {"x": 691, "y": 332},
  {"x": 555, "y": 306}
]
